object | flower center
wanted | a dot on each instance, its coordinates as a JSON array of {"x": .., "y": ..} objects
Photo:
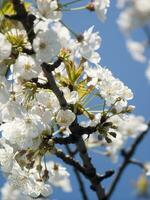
[
  {"x": 42, "y": 45},
  {"x": 27, "y": 67}
]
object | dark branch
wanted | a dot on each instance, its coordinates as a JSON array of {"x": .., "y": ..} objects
[
  {"x": 69, "y": 160},
  {"x": 137, "y": 163},
  {"x": 93, "y": 176},
  {"x": 127, "y": 157},
  {"x": 53, "y": 86},
  {"x": 79, "y": 178},
  {"x": 107, "y": 174},
  {"x": 81, "y": 185},
  {"x": 67, "y": 140},
  {"x": 77, "y": 131},
  {"x": 52, "y": 67},
  {"x": 74, "y": 138},
  {"x": 24, "y": 17}
]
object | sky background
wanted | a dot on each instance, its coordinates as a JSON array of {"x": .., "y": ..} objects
[{"x": 115, "y": 56}]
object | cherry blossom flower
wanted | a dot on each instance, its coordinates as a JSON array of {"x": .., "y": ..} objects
[
  {"x": 59, "y": 176},
  {"x": 90, "y": 42},
  {"x": 5, "y": 47},
  {"x": 101, "y": 7},
  {"x": 6, "y": 156},
  {"x": 71, "y": 97},
  {"x": 21, "y": 131},
  {"x": 65, "y": 117},
  {"x": 49, "y": 9},
  {"x": 46, "y": 45},
  {"x": 26, "y": 67},
  {"x": 137, "y": 50}
]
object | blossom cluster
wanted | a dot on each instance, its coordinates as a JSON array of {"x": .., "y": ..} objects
[
  {"x": 135, "y": 15},
  {"x": 31, "y": 113},
  {"x": 126, "y": 127}
]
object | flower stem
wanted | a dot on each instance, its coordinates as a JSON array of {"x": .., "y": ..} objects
[
  {"x": 74, "y": 9},
  {"x": 71, "y": 31},
  {"x": 71, "y": 2}
]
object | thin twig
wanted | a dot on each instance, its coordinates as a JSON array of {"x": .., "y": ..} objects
[
  {"x": 127, "y": 157},
  {"x": 81, "y": 184},
  {"x": 137, "y": 163},
  {"x": 69, "y": 160}
]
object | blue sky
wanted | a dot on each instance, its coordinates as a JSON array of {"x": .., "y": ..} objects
[{"x": 116, "y": 57}]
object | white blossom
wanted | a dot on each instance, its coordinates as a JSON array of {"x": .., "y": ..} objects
[
  {"x": 88, "y": 45},
  {"x": 39, "y": 188},
  {"x": 48, "y": 100},
  {"x": 101, "y": 7},
  {"x": 46, "y": 45},
  {"x": 94, "y": 140},
  {"x": 26, "y": 67},
  {"x": 21, "y": 131},
  {"x": 59, "y": 176},
  {"x": 65, "y": 117},
  {"x": 27, "y": 183},
  {"x": 10, "y": 110},
  {"x": 97, "y": 73},
  {"x": 136, "y": 50},
  {"x": 135, "y": 15},
  {"x": 18, "y": 37},
  {"x": 6, "y": 156},
  {"x": 112, "y": 89},
  {"x": 5, "y": 47},
  {"x": 4, "y": 91},
  {"x": 63, "y": 34},
  {"x": 49, "y": 9},
  {"x": 71, "y": 96},
  {"x": 8, "y": 192},
  {"x": 46, "y": 115},
  {"x": 132, "y": 126},
  {"x": 143, "y": 9}
]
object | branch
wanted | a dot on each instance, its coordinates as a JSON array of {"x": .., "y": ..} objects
[
  {"x": 137, "y": 163},
  {"x": 127, "y": 158},
  {"x": 79, "y": 178},
  {"x": 77, "y": 131},
  {"x": 54, "y": 88},
  {"x": 74, "y": 138},
  {"x": 81, "y": 184},
  {"x": 67, "y": 140},
  {"x": 93, "y": 177},
  {"x": 52, "y": 67},
  {"x": 24, "y": 17},
  {"x": 69, "y": 160}
]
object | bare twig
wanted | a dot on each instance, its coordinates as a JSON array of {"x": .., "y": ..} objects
[
  {"x": 127, "y": 158},
  {"x": 69, "y": 160},
  {"x": 137, "y": 163}
]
